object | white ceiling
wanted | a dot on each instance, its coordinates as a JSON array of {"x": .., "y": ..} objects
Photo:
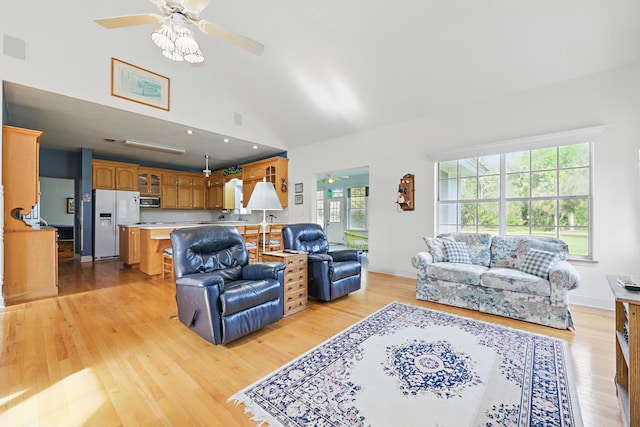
[{"x": 335, "y": 67}]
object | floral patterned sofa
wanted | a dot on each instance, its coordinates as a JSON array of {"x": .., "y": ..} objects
[{"x": 522, "y": 277}]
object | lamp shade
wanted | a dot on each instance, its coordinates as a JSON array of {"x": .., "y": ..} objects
[{"x": 264, "y": 197}]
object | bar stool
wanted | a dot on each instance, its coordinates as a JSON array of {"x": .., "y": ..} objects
[
  {"x": 251, "y": 237},
  {"x": 274, "y": 237},
  {"x": 167, "y": 263}
]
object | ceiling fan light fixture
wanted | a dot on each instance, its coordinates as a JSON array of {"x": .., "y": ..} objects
[
  {"x": 173, "y": 55},
  {"x": 163, "y": 37},
  {"x": 185, "y": 41},
  {"x": 194, "y": 58}
]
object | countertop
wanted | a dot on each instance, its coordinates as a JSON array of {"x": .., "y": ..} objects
[{"x": 157, "y": 225}]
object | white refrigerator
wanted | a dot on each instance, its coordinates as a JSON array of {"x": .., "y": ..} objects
[{"x": 111, "y": 208}]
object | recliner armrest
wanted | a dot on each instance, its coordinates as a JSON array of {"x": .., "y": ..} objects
[
  {"x": 319, "y": 258},
  {"x": 201, "y": 280},
  {"x": 262, "y": 270},
  {"x": 346, "y": 255}
]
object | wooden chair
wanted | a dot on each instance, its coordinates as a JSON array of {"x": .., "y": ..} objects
[
  {"x": 274, "y": 237},
  {"x": 167, "y": 263},
  {"x": 251, "y": 237}
]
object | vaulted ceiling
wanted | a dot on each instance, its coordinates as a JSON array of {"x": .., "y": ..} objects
[{"x": 329, "y": 68}]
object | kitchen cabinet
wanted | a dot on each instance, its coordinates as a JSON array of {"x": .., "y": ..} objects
[
  {"x": 24, "y": 279},
  {"x": 214, "y": 197},
  {"x": 274, "y": 170},
  {"x": 129, "y": 245},
  {"x": 25, "y": 247},
  {"x": 110, "y": 175},
  {"x": 191, "y": 191},
  {"x": 169, "y": 195},
  {"x": 20, "y": 174},
  {"x": 149, "y": 182}
]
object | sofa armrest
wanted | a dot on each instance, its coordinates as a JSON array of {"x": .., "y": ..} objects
[
  {"x": 262, "y": 270},
  {"x": 563, "y": 276},
  {"x": 422, "y": 259}
]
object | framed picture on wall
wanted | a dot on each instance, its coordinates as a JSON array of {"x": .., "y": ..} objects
[
  {"x": 298, "y": 187},
  {"x": 298, "y": 199},
  {"x": 139, "y": 85},
  {"x": 71, "y": 205}
]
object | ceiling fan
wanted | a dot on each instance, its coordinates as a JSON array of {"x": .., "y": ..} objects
[
  {"x": 174, "y": 36},
  {"x": 332, "y": 179}
]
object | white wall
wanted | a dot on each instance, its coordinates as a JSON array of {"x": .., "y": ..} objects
[{"x": 610, "y": 98}]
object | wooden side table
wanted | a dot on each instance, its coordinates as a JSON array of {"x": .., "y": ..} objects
[
  {"x": 627, "y": 350},
  {"x": 295, "y": 279}
]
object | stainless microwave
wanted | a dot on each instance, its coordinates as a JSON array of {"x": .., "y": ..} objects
[{"x": 149, "y": 202}]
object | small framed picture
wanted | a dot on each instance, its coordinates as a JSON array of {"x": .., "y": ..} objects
[
  {"x": 71, "y": 206},
  {"x": 139, "y": 85},
  {"x": 298, "y": 187},
  {"x": 298, "y": 199}
]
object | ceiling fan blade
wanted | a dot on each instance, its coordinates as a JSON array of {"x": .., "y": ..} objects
[
  {"x": 196, "y": 6},
  {"x": 129, "y": 20},
  {"x": 231, "y": 37}
]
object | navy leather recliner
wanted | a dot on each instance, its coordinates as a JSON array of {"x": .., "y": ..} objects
[
  {"x": 219, "y": 295},
  {"x": 331, "y": 274}
]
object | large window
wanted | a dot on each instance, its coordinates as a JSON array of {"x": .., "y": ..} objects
[
  {"x": 357, "y": 208},
  {"x": 540, "y": 192}
]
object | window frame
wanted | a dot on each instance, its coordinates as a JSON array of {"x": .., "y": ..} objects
[
  {"x": 580, "y": 136},
  {"x": 365, "y": 208}
]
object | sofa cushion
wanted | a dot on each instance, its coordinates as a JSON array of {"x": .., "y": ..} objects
[
  {"x": 538, "y": 262},
  {"x": 436, "y": 248},
  {"x": 504, "y": 249},
  {"x": 451, "y": 272},
  {"x": 560, "y": 249},
  {"x": 457, "y": 252},
  {"x": 515, "y": 280},
  {"x": 477, "y": 244}
]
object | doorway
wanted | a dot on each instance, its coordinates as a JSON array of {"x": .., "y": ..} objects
[
  {"x": 336, "y": 211},
  {"x": 57, "y": 209}
]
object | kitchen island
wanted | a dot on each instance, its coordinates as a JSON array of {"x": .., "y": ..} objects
[{"x": 154, "y": 239}]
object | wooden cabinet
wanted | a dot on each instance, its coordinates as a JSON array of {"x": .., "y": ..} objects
[
  {"x": 295, "y": 279},
  {"x": 627, "y": 377},
  {"x": 274, "y": 170},
  {"x": 169, "y": 196},
  {"x": 149, "y": 182},
  {"x": 20, "y": 174},
  {"x": 191, "y": 191},
  {"x": 30, "y": 265},
  {"x": 30, "y": 255},
  {"x": 129, "y": 245},
  {"x": 214, "y": 197},
  {"x": 115, "y": 175}
]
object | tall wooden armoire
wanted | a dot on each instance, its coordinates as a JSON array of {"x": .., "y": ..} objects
[{"x": 30, "y": 254}]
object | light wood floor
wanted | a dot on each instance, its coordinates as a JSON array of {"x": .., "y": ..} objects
[{"x": 107, "y": 352}]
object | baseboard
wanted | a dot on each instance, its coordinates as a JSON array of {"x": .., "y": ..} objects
[{"x": 601, "y": 303}]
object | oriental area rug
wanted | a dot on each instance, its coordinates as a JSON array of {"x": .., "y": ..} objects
[{"x": 410, "y": 366}]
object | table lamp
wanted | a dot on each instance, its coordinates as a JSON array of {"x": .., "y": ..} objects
[{"x": 264, "y": 198}]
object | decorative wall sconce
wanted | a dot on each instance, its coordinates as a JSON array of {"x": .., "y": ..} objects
[{"x": 405, "y": 197}]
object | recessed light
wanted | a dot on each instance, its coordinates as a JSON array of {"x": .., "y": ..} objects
[
  {"x": 255, "y": 147},
  {"x": 226, "y": 140},
  {"x": 190, "y": 132}
]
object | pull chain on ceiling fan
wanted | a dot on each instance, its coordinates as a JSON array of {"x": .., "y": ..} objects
[{"x": 174, "y": 37}]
